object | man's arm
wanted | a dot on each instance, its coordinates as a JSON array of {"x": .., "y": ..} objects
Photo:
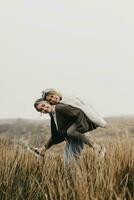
[
  {"x": 49, "y": 143},
  {"x": 52, "y": 141}
]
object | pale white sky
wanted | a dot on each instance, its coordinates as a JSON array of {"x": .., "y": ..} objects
[{"x": 85, "y": 48}]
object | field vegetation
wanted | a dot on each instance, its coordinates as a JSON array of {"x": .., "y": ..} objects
[{"x": 25, "y": 177}]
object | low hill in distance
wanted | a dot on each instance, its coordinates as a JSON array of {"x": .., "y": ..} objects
[{"x": 38, "y": 131}]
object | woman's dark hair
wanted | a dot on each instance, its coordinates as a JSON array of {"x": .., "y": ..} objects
[{"x": 48, "y": 92}]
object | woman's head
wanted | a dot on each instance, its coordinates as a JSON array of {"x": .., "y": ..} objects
[
  {"x": 52, "y": 96},
  {"x": 42, "y": 106}
]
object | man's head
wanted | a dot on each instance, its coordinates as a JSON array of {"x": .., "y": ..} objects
[
  {"x": 42, "y": 106},
  {"x": 52, "y": 96}
]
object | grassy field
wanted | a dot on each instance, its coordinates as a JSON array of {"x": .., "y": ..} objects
[{"x": 24, "y": 177}]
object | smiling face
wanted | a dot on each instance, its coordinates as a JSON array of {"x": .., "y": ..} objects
[
  {"x": 44, "y": 107},
  {"x": 53, "y": 99}
]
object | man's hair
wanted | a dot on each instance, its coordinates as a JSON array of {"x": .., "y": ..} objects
[
  {"x": 36, "y": 103},
  {"x": 48, "y": 92}
]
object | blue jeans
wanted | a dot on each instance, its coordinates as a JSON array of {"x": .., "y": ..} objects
[{"x": 72, "y": 150}]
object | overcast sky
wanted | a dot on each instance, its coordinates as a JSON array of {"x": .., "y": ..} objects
[{"x": 85, "y": 48}]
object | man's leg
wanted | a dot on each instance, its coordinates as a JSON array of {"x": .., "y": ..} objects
[
  {"x": 73, "y": 147},
  {"x": 72, "y": 150}
]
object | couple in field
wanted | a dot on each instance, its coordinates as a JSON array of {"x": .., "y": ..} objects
[{"x": 70, "y": 118}]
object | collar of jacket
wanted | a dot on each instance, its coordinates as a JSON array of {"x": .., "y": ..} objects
[{"x": 53, "y": 110}]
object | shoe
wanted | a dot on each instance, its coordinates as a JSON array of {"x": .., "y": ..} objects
[
  {"x": 38, "y": 152},
  {"x": 101, "y": 152},
  {"x": 34, "y": 150}
]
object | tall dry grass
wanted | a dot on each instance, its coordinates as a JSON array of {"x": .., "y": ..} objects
[{"x": 23, "y": 177}]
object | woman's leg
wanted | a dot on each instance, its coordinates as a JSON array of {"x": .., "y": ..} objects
[{"x": 75, "y": 135}]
